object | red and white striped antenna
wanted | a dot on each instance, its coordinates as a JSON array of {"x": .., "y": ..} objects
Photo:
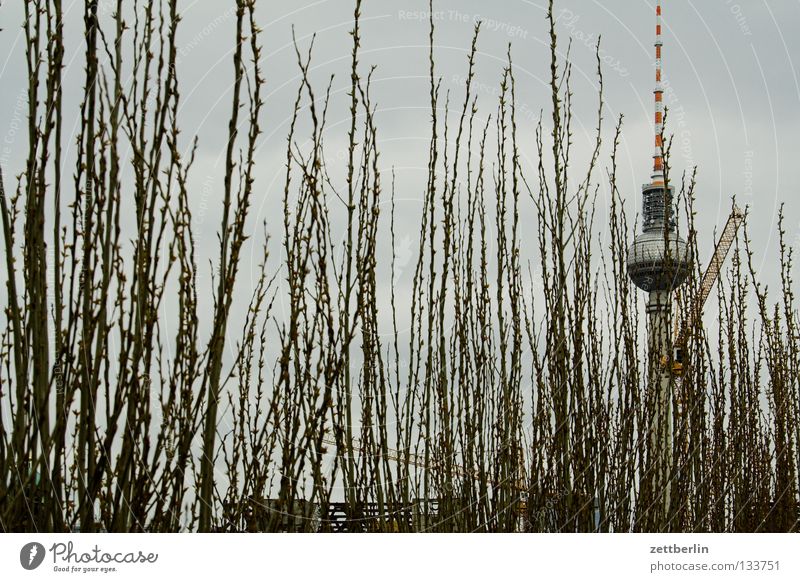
[{"x": 658, "y": 156}]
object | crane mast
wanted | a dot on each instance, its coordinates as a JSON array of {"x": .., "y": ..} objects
[{"x": 695, "y": 311}]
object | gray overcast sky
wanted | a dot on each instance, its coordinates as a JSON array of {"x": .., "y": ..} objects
[{"x": 732, "y": 88}]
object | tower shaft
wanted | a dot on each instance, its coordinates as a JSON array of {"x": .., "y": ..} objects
[{"x": 659, "y": 310}]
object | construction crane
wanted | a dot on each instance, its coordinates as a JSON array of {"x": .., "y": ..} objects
[{"x": 688, "y": 322}]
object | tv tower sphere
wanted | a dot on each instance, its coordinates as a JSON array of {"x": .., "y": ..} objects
[{"x": 659, "y": 259}]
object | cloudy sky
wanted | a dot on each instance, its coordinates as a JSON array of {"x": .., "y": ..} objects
[{"x": 732, "y": 88}]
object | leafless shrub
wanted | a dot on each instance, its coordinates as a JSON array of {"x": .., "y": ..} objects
[{"x": 519, "y": 400}]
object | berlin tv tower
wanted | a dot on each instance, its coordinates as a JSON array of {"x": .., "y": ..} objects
[{"x": 658, "y": 263}]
